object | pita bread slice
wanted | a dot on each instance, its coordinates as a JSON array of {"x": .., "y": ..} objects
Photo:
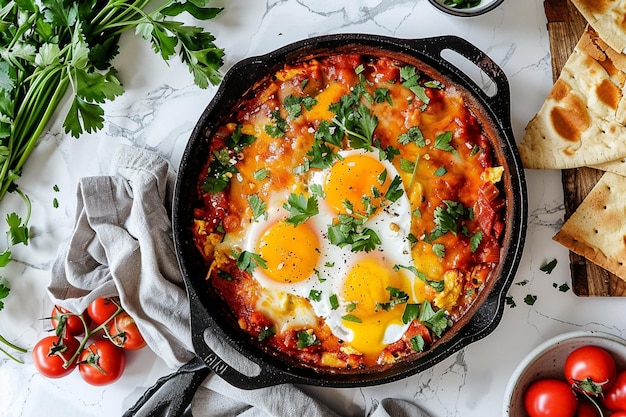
[
  {"x": 608, "y": 18},
  {"x": 597, "y": 229},
  {"x": 583, "y": 120},
  {"x": 618, "y": 166}
]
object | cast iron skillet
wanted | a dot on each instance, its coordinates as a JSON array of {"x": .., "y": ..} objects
[{"x": 248, "y": 366}]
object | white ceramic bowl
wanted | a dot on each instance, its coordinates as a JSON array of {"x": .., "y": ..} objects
[
  {"x": 482, "y": 8},
  {"x": 547, "y": 360}
]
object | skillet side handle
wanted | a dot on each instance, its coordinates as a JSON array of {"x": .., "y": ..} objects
[
  {"x": 171, "y": 395},
  {"x": 258, "y": 374},
  {"x": 500, "y": 102}
]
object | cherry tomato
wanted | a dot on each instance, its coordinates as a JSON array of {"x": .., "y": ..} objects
[
  {"x": 52, "y": 353},
  {"x": 590, "y": 369},
  {"x": 550, "y": 398},
  {"x": 67, "y": 323},
  {"x": 101, "y": 309},
  {"x": 615, "y": 398},
  {"x": 587, "y": 409},
  {"x": 101, "y": 363},
  {"x": 619, "y": 414},
  {"x": 124, "y": 332}
]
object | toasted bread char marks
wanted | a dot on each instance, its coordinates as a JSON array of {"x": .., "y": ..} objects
[
  {"x": 596, "y": 230},
  {"x": 608, "y": 18},
  {"x": 583, "y": 120}
]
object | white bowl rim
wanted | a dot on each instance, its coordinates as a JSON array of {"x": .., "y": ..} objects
[{"x": 546, "y": 345}]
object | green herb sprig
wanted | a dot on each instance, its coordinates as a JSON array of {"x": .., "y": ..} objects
[{"x": 50, "y": 48}]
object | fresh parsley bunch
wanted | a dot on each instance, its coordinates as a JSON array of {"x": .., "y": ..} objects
[{"x": 52, "y": 50}]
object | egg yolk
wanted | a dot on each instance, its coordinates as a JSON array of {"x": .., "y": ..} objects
[
  {"x": 367, "y": 291},
  {"x": 290, "y": 253},
  {"x": 356, "y": 185}
]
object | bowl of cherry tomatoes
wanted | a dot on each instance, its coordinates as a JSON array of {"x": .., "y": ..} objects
[{"x": 575, "y": 374}]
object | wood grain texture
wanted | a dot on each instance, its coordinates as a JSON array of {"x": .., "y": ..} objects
[{"x": 565, "y": 26}]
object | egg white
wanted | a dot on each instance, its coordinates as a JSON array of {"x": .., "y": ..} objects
[{"x": 392, "y": 224}]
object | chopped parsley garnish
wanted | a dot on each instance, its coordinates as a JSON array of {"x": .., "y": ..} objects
[
  {"x": 436, "y": 285},
  {"x": 396, "y": 297},
  {"x": 530, "y": 299},
  {"x": 443, "y": 142},
  {"x": 334, "y": 302},
  {"x": 293, "y": 105},
  {"x": 306, "y": 339},
  {"x": 248, "y": 261},
  {"x": 258, "y": 207},
  {"x": 439, "y": 250},
  {"x": 436, "y": 321},
  {"x": 354, "y": 118},
  {"x": 322, "y": 154},
  {"x": 549, "y": 267},
  {"x": 475, "y": 241},
  {"x": 410, "y": 79},
  {"x": 381, "y": 95},
  {"x": 350, "y": 231},
  {"x": 461, "y": 4},
  {"x": 278, "y": 129},
  {"x": 300, "y": 208},
  {"x": 395, "y": 191},
  {"x": 411, "y": 312},
  {"x": 414, "y": 134},
  {"x": 267, "y": 332},
  {"x": 238, "y": 140},
  {"x": 315, "y": 295},
  {"x": 260, "y": 174},
  {"x": 352, "y": 318},
  {"x": 417, "y": 343}
]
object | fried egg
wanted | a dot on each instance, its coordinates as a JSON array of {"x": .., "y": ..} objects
[{"x": 350, "y": 290}]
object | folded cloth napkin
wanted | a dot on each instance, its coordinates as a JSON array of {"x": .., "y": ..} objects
[{"x": 121, "y": 245}]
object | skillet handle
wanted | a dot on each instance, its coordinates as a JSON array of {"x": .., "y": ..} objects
[
  {"x": 171, "y": 395},
  {"x": 226, "y": 361},
  {"x": 500, "y": 102}
]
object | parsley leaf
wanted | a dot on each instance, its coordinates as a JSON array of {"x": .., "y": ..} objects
[
  {"x": 443, "y": 142},
  {"x": 349, "y": 231},
  {"x": 248, "y": 261},
  {"x": 306, "y": 338},
  {"x": 258, "y": 206},
  {"x": 549, "y": 267},
  {"x": 436, "y": 321},
  {"x": 300, "y": 208},
  {"x": 414, "y": 134},
  {"x": 278, "y": 129},
  {"x": 410, "y": 79},
  {"x": 4, "y": 292}
]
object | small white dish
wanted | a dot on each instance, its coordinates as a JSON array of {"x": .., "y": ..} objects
[
  {"x": 482, "y": 8},
  {"x": 547, "y": 360}
]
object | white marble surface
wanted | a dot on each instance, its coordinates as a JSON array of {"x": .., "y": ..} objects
[{"x": 159, "y": 110}]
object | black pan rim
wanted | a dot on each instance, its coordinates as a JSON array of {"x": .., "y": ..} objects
[{"x": 479, "y": 326}]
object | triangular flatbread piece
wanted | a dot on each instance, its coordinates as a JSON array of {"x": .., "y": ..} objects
[
  {"x": 582, "y": 121},
  {"x": 597, "y": 229},
  {"x": 608, "y": 18}
]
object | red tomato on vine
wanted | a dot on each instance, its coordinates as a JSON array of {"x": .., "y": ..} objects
[
  {"x": 590, "y": 370},
  {"x": 550, "y": 398},
  {"x": 101, "y": 363},
  {"x": 124, "y": 332},
  {"x": 67, "y": 323},
  {"x": 52, "y": 355}
]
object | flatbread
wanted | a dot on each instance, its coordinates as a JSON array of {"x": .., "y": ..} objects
[
  {"x": 582, "y": 121},
  {"x": 597, "y": 230},
  {"x": 608, "y": 18}
]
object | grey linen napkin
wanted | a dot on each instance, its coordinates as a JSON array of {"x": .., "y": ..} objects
[{"x": 121, "y": 245}]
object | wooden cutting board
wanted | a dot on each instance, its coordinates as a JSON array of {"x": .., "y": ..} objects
[{"x": 565, "y": 26}]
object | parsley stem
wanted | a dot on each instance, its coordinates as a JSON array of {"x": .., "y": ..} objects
[{"x": 11, "y": 345}]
